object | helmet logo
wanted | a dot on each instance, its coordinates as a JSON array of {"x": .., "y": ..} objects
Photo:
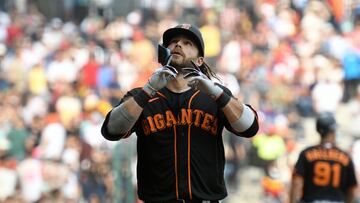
[{"x": 186, "y": 26}]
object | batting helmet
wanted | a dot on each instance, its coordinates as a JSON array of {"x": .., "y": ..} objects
[
  {"x": 185, "y": 29},
  {"x": 325, "y": 123}
]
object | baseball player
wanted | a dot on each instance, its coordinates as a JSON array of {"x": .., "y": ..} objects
[
  {"x": 323, "y": 173},
  {"x": 178, "y": 117}
]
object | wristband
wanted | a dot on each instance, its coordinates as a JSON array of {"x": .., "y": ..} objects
[
  {"x": 223, "y": 99},
  {"x": 150, "y": 90},
  {"x": 142, "y": 98},
  {"x": 245, "y": 120}
]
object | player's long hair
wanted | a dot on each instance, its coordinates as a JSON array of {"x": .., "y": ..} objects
[{"x": 205, "y": 68}]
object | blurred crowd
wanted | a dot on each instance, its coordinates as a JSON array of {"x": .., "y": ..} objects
[{"x": 289, "y": 59}]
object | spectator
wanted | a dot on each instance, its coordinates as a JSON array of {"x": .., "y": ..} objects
[
  {"x": 351, "y": 63},
  {"x": 88, "y": 73},
  {"x": 8, "y": 174},
  {"x": 52, "y": 139},
  {"x": 17, "y": 136},
  {"x": 268, "y": 148}
]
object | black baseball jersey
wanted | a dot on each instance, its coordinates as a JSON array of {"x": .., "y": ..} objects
[
  {"x": 328, "y": 172},
  {"x": 179, "y": 146}
]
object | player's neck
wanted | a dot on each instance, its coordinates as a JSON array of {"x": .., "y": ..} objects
[
  {"x": 328, "y": 139},
  {"x": 178, "y": 85}
]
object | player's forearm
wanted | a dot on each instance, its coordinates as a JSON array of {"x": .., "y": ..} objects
[
  {"x": 240, "y": 116},
  {"x": 124, "y": 116},
  {"x": 294, "y": 196},
  {"x": 293, "y": 199},
  {"x": 296, "y": 189},
  {"x": 350, "y": 196}
]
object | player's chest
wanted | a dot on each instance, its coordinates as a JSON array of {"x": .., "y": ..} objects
[
  {"x": 190, "y": 103},
  {"x": 187, "y": 111}
]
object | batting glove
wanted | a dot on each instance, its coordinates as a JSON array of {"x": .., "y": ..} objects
[
  {"x": 159, "y": 79},
  {"x": 199, "y": 80}
]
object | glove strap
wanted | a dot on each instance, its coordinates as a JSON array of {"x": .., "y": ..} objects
[
  {"x": 142, "y": 98},
  {"x": 150, "y": 90},
  {"x": 223, "y": 99}
]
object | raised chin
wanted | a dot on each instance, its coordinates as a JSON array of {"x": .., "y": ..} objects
[{"x": 178, "y": 61}]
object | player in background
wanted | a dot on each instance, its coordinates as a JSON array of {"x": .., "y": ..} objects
[
  {"x": 178, "y": 117},
  {"x": 323, "y": 172}
]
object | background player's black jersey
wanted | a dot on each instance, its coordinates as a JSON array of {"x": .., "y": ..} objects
[
  {"x": 328, "y": 173},
  {"x": 180, "y": 138}
]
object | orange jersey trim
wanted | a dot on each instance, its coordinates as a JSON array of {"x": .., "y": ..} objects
[
  {"x": 175, "y": 163},
  {"x": 189, "y": 148}
]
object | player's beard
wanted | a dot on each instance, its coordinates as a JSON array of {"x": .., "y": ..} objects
[{"x": 180, "y": 64}]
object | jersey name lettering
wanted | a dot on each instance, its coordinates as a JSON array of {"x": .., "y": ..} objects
[
  {"x": 195, "y": 117},
  {"x": 331, "y": 155}
]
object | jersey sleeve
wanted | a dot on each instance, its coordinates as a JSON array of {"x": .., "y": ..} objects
[
  {"x": 300, "y": 164},
  {"x": 104, "y": 130},
  {"x": 251, "y": 131},
  {"x": 351, "y": 182}
]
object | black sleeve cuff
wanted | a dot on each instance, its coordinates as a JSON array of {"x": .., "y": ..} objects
[
  {"x": 104, "y": 131},
  {"x": 142, "y": 98},
  {"x": 223, "y": 99}
]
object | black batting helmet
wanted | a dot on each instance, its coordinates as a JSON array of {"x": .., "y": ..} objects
[
  {"x": 325, "y": 122},
  {"x": 186, "y": 29}
]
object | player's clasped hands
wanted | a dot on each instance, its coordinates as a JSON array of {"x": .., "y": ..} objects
[
  {"x": 199, "y": 80},
  {"x": 160, "y": 79}
]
